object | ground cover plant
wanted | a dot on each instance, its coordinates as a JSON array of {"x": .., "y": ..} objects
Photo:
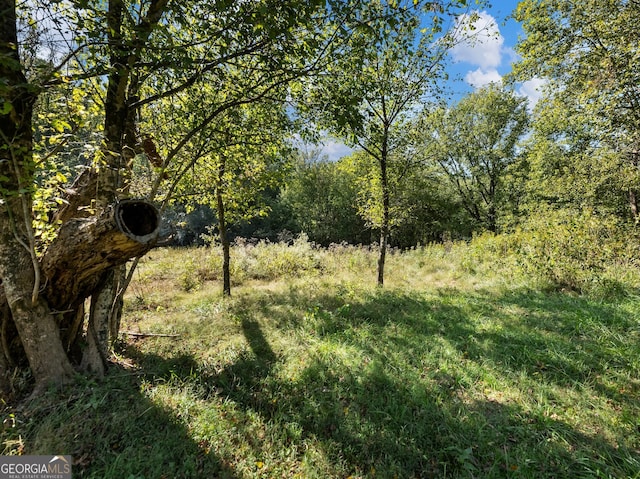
[{"x": 462, "y": 366}]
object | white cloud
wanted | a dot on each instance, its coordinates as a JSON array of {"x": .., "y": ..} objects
[
  {"x": 481, "y": 43},
  {"x": 335, "y": 149},
  {"x": 532, "y": 89},
  {"x": 328, "y": 148},
  {"x": 479, "y": 78}
]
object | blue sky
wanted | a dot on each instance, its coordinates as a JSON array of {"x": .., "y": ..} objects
[{"x": 476, "y": 63}]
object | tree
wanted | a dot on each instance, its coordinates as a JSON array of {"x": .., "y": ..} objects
[
  {"x": 241, "y": 155},
  {"x": 367, "y": 98},
  {"x": 588, "y": 53},
  {"x": 19, "y": 268},
  {"x": 117, "y": 232},
  {"x": 564, "y": 164},
  {"x": 474, "y": 143},
  {"x": 145, "y": 55},
  {"x": 322, "y": 197}
]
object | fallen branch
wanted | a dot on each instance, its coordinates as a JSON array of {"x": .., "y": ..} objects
[{"x": 144, "y": 335}]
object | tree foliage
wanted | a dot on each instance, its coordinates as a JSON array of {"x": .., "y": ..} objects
[
  {"x": 395, "y": 59},
  {"x": 565, "y": 164},
  {"x": 589, "y": 54},
  {"x": 322, "y": 198},
  {"x": 474, "y": 143}
]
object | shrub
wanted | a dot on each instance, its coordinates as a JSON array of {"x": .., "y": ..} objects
[
  {"x": 487, "y": 252},
  {"x": 190, "y": 278},
  {"x": 559, "y": 250},
  {"x": 578, "y": 251},
  {"x": 275, "y": 260}
]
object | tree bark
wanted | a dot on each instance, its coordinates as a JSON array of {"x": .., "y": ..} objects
[
  {"x": 42, "y": 299},
  {"x": 6, "y": 361},
  {"x": 5, "y": 383},
  {"x": 78, "y": 197},
  {"x": 86, "y": 247},
  {"x": 120, "y": 284},
  {"x": 96, "y": 354},
  {"x": 222, "y": 232},
  {"x": 384, "y": 227},
  {"x": 34, "y": 322},
  {"x": 121, "y": 144}
]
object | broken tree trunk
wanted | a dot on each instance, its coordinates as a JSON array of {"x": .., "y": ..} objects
[
  {"x": 82, "y": 256},
  {"x": 87, "y": 247}
]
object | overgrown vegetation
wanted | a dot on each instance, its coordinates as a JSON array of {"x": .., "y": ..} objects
[
  {"x": 505, "y": 354},
  {"x": 462, "y": 366}
]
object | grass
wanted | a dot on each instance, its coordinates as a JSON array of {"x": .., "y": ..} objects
[{"x": 454, "y": 370}]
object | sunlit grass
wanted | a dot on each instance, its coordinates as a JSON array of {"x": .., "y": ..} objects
[{"x": 454, "y": 369}]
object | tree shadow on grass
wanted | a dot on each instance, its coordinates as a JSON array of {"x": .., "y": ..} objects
[
  {"x": 381, "y": 426},
  {"x": 371, "y": 421},
  {"x": 550, "y": 337},
  {"x": 539, "y": 336},
  {"x": 565, "y": 340},
  {"x": 113, "y": 430}
]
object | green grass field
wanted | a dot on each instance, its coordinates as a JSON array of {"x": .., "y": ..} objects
[{"x": 452, "y": 370}]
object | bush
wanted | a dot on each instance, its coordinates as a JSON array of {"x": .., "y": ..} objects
[
  {"x": 558, "y": 250},
  {"x": 486, "y": 252},
  {"x": 263, "y": 260},
  {"x": 578, "y": 251},
  {"x": 190, "y": 279}
]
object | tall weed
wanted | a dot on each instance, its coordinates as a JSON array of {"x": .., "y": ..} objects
[
  {"x": 579, "y": 251},
  {"x": 552, "y": 250},
  {"x": 263, "y": 260}
]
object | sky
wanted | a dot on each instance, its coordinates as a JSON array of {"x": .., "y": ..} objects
[
  {"x": 473, "y": 64},
  {"x": 477, "y": 63}
]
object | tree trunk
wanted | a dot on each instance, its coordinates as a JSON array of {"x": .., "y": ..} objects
[
  {"x": 224, "y": 238},
  {"x": 121, "y": 143},
  {"x": 42, "y": 299},
  {"x": 5, "y": 383},
  {"x": 34, "y": 322},
  {"x": 96, "y": 354},
  {"x": 8, "y": 342},
  {"x": 384, "y": 227},
  {"x": 633, "y": 205},
  {"x": 120, "y": 283},
  {"x": 492, "y": 217},
  {"x": 19, "y": 271}
]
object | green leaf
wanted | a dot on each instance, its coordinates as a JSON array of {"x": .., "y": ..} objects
[
  {"x": 59, "y": 125},
  {"x": 6, "y": 108}
]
